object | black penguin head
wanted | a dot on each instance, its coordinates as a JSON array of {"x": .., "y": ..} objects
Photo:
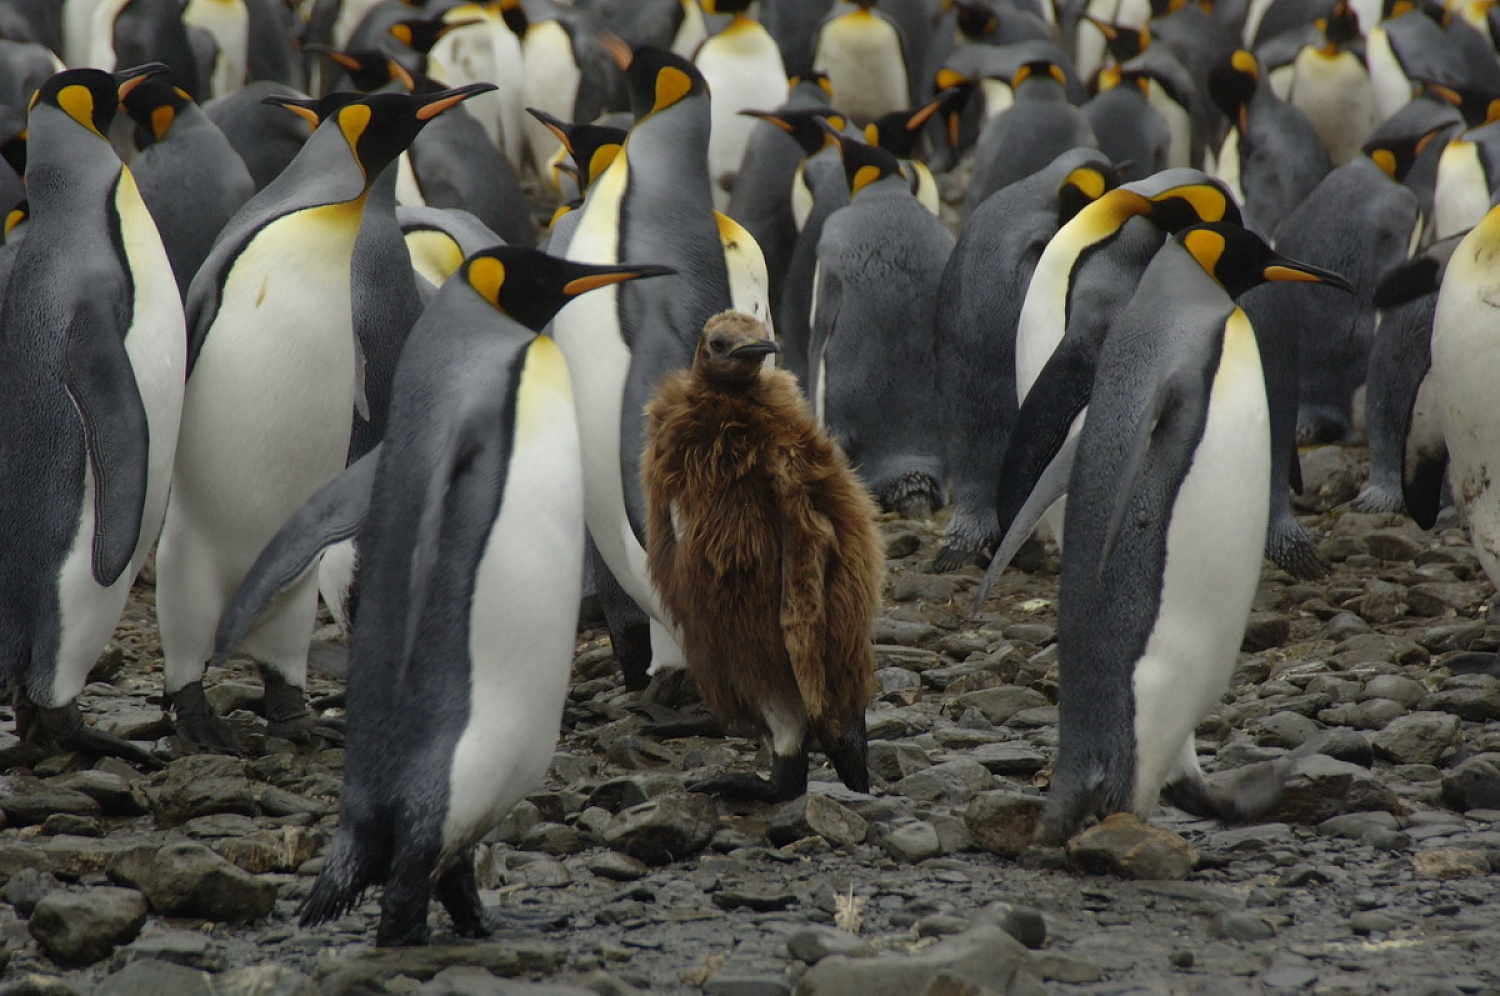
[
  {"x": 531, "y": 286},
  {"x": 732, "y": 349},
  {"x": 1232, "y": 85},
  {"x": 804, "y": 124},
  {"x": 1123, "y": 41},
  {"x": 380, "y": 126},
  {"x": 899, "y": 131},
  {"x": 1478, "y": 106},
  {"x": 368, "y": 69},
  {"x": 1239, "y": 259},
  {"x": 593, "y": 147},
  {"x": 726, "y": 6},
  {"x": 1082, "y": 187},
  {"x": 1038, "y": 69},
  {"x": 864, "y": 164},
  {"x": 421, "y": 33},
  {"x": 1339, "y": 28},
  {"x": 976, "y": 20},
  {"x": 1396, "y": 155},
  {"x": 154, "y": 106},
  {"x": 90, "y": 96},
  {"x": 658, "y": 79},
  {"x": 1178, "y": 207}
]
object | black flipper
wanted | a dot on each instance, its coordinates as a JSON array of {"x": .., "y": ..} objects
[
  {"x": 1169, "y": 396},
  {"x": 101, "y": 384}
]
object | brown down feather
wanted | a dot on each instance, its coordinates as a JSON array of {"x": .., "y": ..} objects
[{"x": 774, "y": 566}]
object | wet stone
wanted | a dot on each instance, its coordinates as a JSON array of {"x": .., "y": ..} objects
[
  {"x": 32, "y": 802},
  {"x": 203, "y": 784},
  {"x": 80, "y": 928},
  {"x": 115, "y": 795}
]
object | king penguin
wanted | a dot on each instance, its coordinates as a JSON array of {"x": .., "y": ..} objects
[
  {"x": 274, "y": 374},
  {"x": 91, "y": 371},
  {"x": 1163, "y": 547},
  {"x": 652, "y": 203},
  {"x": 1331, "y": 85},
  {"x": 872, "y": 382},
  {"x": 864, "y": 56},
  {"x": 462, "y": 652},
  {"x": 743, "y": 70}
]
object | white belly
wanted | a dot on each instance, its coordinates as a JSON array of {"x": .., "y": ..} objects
[
  {"x": 551, "y": 85},
  {"x": 1043, "y": 318},
  {"x": 1226, "y": 166},
  {"x": 861, "y": 56},
  {"x": 1391, "y": 87},
  {"x": 488, "y": 53},
  {"x": 1337, "y": 97},
  {"x": 1214, "y": 545},
  {"x": 744, "y": 71},
  {"x": 1462, "y": 195},
  {"x": 229, "y": 23},
  {"x": 525, "y": 610}
]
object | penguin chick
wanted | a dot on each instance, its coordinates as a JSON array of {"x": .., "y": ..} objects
[{"x": 765, "y": 548}]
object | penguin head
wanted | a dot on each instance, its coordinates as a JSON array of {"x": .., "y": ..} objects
[
  {"x": 804, "y": 124},
  {"x": 1478, "y": 106},
  {"x": 1038, "y": 69},
  {"x": 1191, "y": 203},
  {"x": 154, "y": 106},
  {"x": 380, "y": 126},
  {"x": 368, "y": 69},
  {"x": 593, "y": 147},
  {"x": 726, "y": 6},
  {"x": 732, "y": 350},
  {"x": 899, "y": 131},
  {"x": 421, "y": 33},
  {"x": 976, "y": 21},
  {"x": 1124, "y": 42},
  {"x": 1239, "y": 259},
  {"x": 90, "y": 96},
  {"x": 960, "y": 90},
  {"x": 532, "y": 287},
  {"x": 1339, "y": 28},
  {"x": 1396, "y": 155},
  {"x": 658, "y": 79},
  {"x": 1082, "y": 187},
  {"x": 864, "y": 164},
  {"x": 1232, "y": 85}
]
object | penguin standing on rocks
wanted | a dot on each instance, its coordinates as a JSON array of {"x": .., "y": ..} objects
[
  {"x": 871, "y": 367},
  {"x": 1163, "y": 547},
  {"x": 469, "y": 581},
  {"x": 765, "y": 547},
  {"x": 91, "y": 371},
  {"x": 274, "y": 374}
]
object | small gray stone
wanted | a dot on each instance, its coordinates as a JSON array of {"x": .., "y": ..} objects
[
  {"x": 617, "y": 867},
  {"x": 665, "y": 829},
  {"x": 1024, "y": 923},
  {"x": 951, "y": 782},
  {"x": 1001, "y": 703},
  {"x": 188, "y": 879},
  {"x": 1245, "y": 927},
  {"x": 1368, "y": 922},
  {"x": 746, "y": 985},
  {"x": 813, "y": 944},
  {"x": 893, "y": 761},
  {"x": 80, "y": 928},
  {"x": 1392, "y": 545},
  {"x": 985, "y": 952},
  {"x": 913, "y": 842},
  {"x": 818, "y": 815},
  {"x": 1416, "y": 738},
  {"x": 1265, "y": 631},
  {"x": 905, "y": 634},
  {"x": 940, "y": 925},
  {"x": 1011, "y": 758},
  {"x": 1284, "y": 729},
  {"x": 1004, "y": 822},
  {"x": 26, "y": 888},
  {"x": 1474, "y": 784},
  {"x": 188, "y": 948},
  {"x": 115, "y": 795},
  {"x": 155, "y": 978},
  {"x": 1396, "y": 687},
  {"x": 1321, "y": 787}
]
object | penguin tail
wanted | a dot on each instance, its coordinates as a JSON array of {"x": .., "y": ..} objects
[{"x": 347, "y": 872}]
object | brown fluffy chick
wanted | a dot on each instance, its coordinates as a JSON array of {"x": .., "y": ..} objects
[{"x": 763, "y": 545}]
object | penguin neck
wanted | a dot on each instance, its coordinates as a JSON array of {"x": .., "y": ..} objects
[
  {"x": 91, "y": 165},
  {"x": 324, "y": 172}
]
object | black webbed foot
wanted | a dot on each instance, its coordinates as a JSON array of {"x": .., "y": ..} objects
[{"x": 198, "y": 724}]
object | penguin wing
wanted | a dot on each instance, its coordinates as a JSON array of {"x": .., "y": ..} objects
[
  {"x": 1424, "y": 467},
  {"x": 808, "y": 542},
  {"x": 101, "y": 383},
  {"x": 333, "y": 514},
  {"x": 1161, "y": 427},
  {"x": 826, "y": 299},
  {"x": 1050, "y": 486}
]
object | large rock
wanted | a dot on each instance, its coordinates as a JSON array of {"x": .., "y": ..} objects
[
  {"x": 187, "y": 879},
  {"x": 1322, "y": 787},
  {"x": 1416, "y": 738},
  {"x": 1474, "y": 784},
  {"x": 1123, "y": 845},
  {"x": 202, "y": 784},
  {"x": 1000, "y": 704},
  {"x": 1004, "y": 822},
  {"x": 80, "y": 928},
  {"x": 985, "y": 952},
  {"x": 264, "y": 980},
  {"x": 155, "y": 978},
  {"x": 952, "y": 782},
  {"x": 31, "y": 802},
  {"x": 115, "y": 795},
  {"x": 665, "y": 829},
  {"x": 282, "y": 849},
  {"x": 820, "y": 815}
]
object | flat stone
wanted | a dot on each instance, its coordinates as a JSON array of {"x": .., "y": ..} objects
[
  {"x": 951, "y": 782},
  {"x": 1474, "y": 784},
  {"x": 1450, "y": 862},
  {"x": 813, "y": 944},
  {"x": 1245, "y": 927},
  {"x": 155, "y": 978},
  {"x": 1378, "y": 647},
  {"x": 985, "y": 952},
  {"x": 264, "y": 980},
  {"x": 1011, "y": 758},
  {"x": 202, "y": 784},
  {"x": 733, "y": 899},
  {"x": 1416, "y": 738},
  {"x": 893, "y": 761},
  {"x": 115, "y": 795},
  {"x": 1123, "y": 845},
  {"x": 913, "y": 842},
  {"x": 999, "y": 704},
  {"x": 509, "y": 959},
  {"x": 1284, "y": 729},
  {"x": 187, "y": 879},
  {"x": 1474, "y": 697},
  {"x": 32, "y": 802},
  {"x": 1321, "y": 787},
  {"x": 905, "y": 634},
  {"x": 617, "y": 867},
  {"x": 189, "y": 948},
  {"x": 282, "y": 849},
  {"x": 80, "y": 928},
  {"x": 1367, "y": 922},
  {"x": 1438, "y": 598},
  {"x": 1265, "y": 631},
  {"x": 36, "y": 985},
  {"x": 1004, "y": 822},
  {"x": 746, "y": 985},
  {"x": 817, "y": 815},
  {"x": 1392, "y": 545},
  {"x": 1383, "y": 602},
  {"x": 665, "y": 829}
]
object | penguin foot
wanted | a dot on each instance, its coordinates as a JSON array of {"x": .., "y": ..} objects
[
  {"x": 1241, "y": 796},
  {"x": 458, "y": 890},
  {"x": 670, "y": 687},
  {"x": 1318, "y": 427},
  {"x": 1292, "y": 548},
  {"x": 913, "y": 495},
  {"x": 64, "y": 727},
  {"x": 287, "y": 714},
  {"x": 959, "y": 551},
  {"x": 198, "y": 724},
  {"x": 850, "y": 755},
  {"x": 1377, "y": 501},
  {"x": 664, "y": 721},
  {"x": 788, "y": 781}
]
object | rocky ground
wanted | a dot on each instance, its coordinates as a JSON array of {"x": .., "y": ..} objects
[{"x": 1378, "y": 875}]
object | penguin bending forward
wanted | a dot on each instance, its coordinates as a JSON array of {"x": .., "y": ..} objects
[
  {"x": 1168, "y": 503},
  {"x": 764, "y": 545},
  {"x": 470, "y": 572}
]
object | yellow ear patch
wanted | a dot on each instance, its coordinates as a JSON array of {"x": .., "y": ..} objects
[
  {"x": 1088, "y": 180},
  {"x": 672, "y": 84},
  {"x": 402, "y": 33},
  {"x": 487, "y": 276},
  {"x": 1021, "y": 76},
  {"x": 872, "y": 135},
  {"x": 161, "y": 121},
  {"x": 1206, "y": 248},
  {"x": 863, "y": 177},
  {"x": 600, "y": 160},
  {"x": 13, "y": 219},
  {"x": 1055, "y": 71},
  {"x": 1386, "y": 160},
  {"x": 949, "y": 78},
  {"x": 1209, "y": 203},
  {"x": 1244, "y": 62},
  {"x": 353, "y": 120},
  {"x": 78, "y": 102}
]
